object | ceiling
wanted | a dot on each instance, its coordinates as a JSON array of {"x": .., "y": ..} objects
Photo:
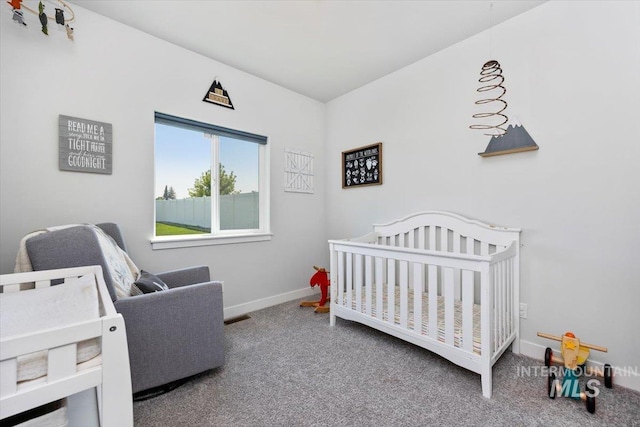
[{"x": 319, "y": 48}]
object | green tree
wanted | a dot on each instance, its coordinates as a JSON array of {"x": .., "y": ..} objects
[
  {"x": 227, "y": 182},
  {"x": 202, "y": 185},
  {"x": 168, "y": 193}
]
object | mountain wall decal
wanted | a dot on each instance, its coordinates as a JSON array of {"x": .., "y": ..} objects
[
  {"x": 218, "y": 95},
  {"x": 516, "y": 140}
]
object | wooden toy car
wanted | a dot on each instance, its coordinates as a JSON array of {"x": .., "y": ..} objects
[{"x": 574, "y": 357}]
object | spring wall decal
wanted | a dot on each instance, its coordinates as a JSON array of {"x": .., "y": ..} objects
[{"x": 492, "y": 79}]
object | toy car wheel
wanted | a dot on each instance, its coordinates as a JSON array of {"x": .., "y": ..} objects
[
  {"x": 608, "y": 372},
  {"x": 551, "y": 386},
  {"x": 591, "y": 399},
  {"x": 548, "y": 357}
]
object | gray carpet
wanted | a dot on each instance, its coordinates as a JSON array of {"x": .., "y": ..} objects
[{"x": 287, "y": 367}]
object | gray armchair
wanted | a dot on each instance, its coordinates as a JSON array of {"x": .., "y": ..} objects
[{"x": 171, "y": 334}]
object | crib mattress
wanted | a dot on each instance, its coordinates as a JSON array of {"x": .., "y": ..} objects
[{"x": 457, "y": 341}]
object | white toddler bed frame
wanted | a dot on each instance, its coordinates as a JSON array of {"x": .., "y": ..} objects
[
  {"x": 438, "y": 280},
  {"x": 64, "y": 377}
]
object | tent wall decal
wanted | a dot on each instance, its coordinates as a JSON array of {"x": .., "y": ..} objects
[
  {"x": 218, "y": 95},
  {"x": 516, "y": 140}
]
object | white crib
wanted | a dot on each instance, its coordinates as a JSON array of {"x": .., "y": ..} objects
[
  {"x": 58, "y": 347},
  {"x": 438, "y": 280}
]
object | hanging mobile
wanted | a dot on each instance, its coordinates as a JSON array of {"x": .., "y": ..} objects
[
  {"x": 492, "y": 79},
  {"x": 44, "y": 19}
]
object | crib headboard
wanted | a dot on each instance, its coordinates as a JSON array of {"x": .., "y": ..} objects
[{"x": 446, "y": 232}]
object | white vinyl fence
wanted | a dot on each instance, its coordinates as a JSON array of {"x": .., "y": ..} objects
[{"x": 237, "y": 211}]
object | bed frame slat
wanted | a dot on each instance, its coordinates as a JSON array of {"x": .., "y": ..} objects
[
  {"x": 9, "y": 374},
  {"x": 358, "y": 282},
  {"x": 349, "y": 289},
  {"x": 379, "y": 282},
  {"x": 433, "y": 301},
  {"x": 467, "y": 310},
  {"x": 404, "y": 294},
  {"x": 418, "y": 284},
  {"x": 368, "y": 284},
  {"x": 448, "y": 306},
  {"x": 391, "y": 290},
  {"x": 61, "y": 362}
]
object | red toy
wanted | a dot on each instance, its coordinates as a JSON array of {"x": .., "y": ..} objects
[{"x": 321, "y": 278}]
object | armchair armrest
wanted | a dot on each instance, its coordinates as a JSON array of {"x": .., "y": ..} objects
[
  {"x": 185, "y": 276},
  {"x": 175, "y": 333}
]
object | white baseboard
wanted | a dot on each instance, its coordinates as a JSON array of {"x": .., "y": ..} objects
[
  {"x": 241, "y": 309},
  {"x": 628, "y": 377}
]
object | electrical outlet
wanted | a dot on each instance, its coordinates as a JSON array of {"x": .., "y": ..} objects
[{"x": 523, "y": 310}]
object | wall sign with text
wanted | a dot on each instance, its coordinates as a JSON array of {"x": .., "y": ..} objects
[
  {"x": 84, "y": 145},
  {"x": 362, "y": 166}
]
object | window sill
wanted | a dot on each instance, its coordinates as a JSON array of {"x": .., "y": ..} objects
[{"x": 190, "y": 241}]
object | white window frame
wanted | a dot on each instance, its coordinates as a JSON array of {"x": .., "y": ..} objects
[{"x": 217, "y": 236}]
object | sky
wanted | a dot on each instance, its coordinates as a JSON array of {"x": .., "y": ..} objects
[{"x": 182, "y": 155}]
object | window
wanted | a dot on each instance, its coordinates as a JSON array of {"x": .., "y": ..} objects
[{"x": 211, "y": 184}]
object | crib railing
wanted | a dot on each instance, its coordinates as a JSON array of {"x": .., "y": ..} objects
[
  {"x": 388, "y": 283},
  {"x": 111, "y": 378}
]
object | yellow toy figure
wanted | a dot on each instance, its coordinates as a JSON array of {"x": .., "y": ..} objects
[{"x": 320, "y": 278}]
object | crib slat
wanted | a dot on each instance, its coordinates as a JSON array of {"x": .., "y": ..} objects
[
  {"x": 341, "y": 277},
  {"x": 467, "y": 310},
  {"x": 9, "y": 375},
  {"x": 444, "y": 239},
  {"x": 61, "y": 362},
  {"x": 391, "y": 290},
  {"x": 511, "y": 301},
  {"x": 418, "y": 283},
  {"x": 411, "y": 240},
  {"x": 358, "y": 283},
  {"x": 484, "y": 248},
  {"x": 433, "y": 301},
  {"x": 404, "y": 283},
  {"x": 503, "y": 298},
  {"x": 448, "y": 306},
  {"x": 470, "y": 245},
  {"x": 379, "y": 280},
  {"x": 503, "y": 301},
  {"x": 368, "y": 282},
  {"x": 421, "y": 238},
  {"x": 432, "y": 237},
  {"x": 456, "y": 249},
  {"x": 11, "y": 288},
  {"x": 486, "y": 297},
  {"x": 41, "y": 284},
  {"x": 497, "y": 306},
  {"x": 350, "y": 281}
]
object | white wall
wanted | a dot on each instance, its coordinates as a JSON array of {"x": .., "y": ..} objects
[
  {"x": 114, "y": 74},
  {"x": 573, "y": 79}
]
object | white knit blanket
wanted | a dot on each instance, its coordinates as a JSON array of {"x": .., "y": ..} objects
[{"x": 122, "y": 270}]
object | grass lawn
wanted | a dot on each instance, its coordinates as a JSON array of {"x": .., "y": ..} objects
[{"x": 173, "y": 230}]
